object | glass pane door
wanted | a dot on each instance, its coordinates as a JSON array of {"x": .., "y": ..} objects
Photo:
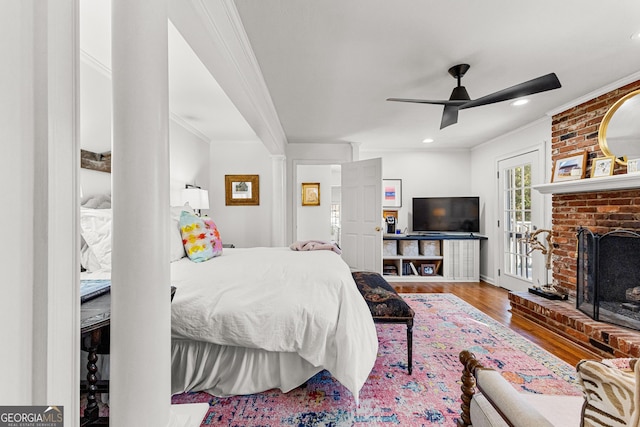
[
  {"x": 521, "y": 209},
  {"x": 517, "y": 220}
]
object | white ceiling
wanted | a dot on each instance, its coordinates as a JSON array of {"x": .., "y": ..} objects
[{"x": 330, "y": 65}]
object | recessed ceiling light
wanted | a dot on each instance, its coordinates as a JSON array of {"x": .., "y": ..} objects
[
  {"x": 635, "y": 36},
  {"x": 427, "y": 140},
  {"x": 519, "y": 102}
]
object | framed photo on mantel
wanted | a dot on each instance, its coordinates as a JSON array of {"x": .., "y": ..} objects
[{"x": 569, "y": 168}]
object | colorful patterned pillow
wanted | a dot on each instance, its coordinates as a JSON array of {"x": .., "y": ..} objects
[
  {"x": 216, "y": 241},
  {"x": 195, "y": 237}
]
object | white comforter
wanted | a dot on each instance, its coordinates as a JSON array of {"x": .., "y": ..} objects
[{"x": 279, "y": 300}]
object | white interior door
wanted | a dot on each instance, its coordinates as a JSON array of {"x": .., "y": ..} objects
[
  {"x": 361, "y": 203},
  {"x": 521, "y": 211}
]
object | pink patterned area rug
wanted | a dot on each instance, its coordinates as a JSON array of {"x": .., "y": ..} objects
[{"x": 444, "y": 325}]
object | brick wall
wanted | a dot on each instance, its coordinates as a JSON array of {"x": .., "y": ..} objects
[{"x": 575, "y": 131}]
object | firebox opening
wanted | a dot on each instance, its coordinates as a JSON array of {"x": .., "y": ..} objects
[{"x": 608, "y": 279}]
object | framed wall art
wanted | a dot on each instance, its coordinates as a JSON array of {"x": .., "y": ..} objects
[
  {"x": 569, "y": 168},
  {"x": 633, "y": 165},
  {"x": 428, "y": 269},
  {"x": 95, "y": 161},
  {"x": 242, "y": 190},
  {"x": 602, "y": 166},
  {"x": 391, "y": 193},
  {"x": 310, "y": 194}
]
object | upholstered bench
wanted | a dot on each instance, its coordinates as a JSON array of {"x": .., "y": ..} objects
[{"x": 386, "y": 305}]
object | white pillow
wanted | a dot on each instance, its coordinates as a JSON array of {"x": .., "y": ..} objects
[
  {"x": 95, "y": 227},
  {"x": 87, "y": 259}
]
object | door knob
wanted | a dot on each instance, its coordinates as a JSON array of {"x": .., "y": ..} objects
[{"x": 378, "y": 228}]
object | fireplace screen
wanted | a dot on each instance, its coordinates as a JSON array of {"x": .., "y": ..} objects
[{"x": 608, "y": 277}]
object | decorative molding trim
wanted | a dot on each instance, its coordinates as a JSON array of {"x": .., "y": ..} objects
[
  {"x": 265, "y": 108},
  {"x": 605, "y": 183},
  {"x": 596, "y": 93},
  {"x": 227, "y": 35},
  {"x": 188, "y": 126}
]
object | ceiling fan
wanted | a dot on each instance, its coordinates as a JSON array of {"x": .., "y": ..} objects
[{"x": 460, "y": 100}]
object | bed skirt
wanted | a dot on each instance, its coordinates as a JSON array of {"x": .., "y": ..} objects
[{"x": 228, "y": 371}]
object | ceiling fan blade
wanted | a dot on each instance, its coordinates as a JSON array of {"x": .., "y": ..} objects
[
  {"x": 537, "y": 85},
  {"x": 427, "y": 101},
  {"x": 449, "y": 116}
]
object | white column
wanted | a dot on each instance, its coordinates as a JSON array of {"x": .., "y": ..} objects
[
  {"x": 355, "y": 151},
  {"x": 278, "y": 213},
  {"x": 140, "y": 299}
]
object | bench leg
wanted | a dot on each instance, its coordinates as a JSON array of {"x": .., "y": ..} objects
[{"x": 410, "y": 345}]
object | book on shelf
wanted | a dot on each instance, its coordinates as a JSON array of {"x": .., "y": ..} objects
[{"x": 414, "y": 270}]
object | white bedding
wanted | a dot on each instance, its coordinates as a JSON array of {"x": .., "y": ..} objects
[{"x": 278, "y": 300}]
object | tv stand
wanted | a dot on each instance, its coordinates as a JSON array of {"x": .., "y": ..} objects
[{"x": 432, "y": 256}]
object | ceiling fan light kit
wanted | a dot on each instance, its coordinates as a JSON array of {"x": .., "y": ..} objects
[{"x": 460, "y": 100}]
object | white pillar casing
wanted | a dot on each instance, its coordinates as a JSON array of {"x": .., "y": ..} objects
[
  {"x": 278, "y": 213},
  {"x": 140, "y": 378}
]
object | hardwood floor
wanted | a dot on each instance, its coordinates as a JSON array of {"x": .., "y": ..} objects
[{"x": 494, "y": 302}]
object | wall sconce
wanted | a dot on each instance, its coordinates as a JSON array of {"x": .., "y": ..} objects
[{"x": 196, "y": 197}]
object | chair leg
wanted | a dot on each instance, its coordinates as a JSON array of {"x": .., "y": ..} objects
[{"x": 410, "y": 345}]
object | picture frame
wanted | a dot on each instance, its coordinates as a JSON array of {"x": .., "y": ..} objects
[
  {"x": 428, "y": 269},
  {"x": 391, "y": 193},
  {"x": 242, "y": 190},
  {"x": 602, "y": 166},
  {"x": 310, "y": 194},
  {"x": 100, "y": 162},
  {"x": 633, "y": 165},
  {"x": 569, "y": 168}
]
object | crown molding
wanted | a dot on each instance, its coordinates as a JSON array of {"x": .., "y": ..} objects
[
  {"x": 596, "y": 93},
  {"x": 189, "y": 127},
  {"x": 215, "y": 32}
]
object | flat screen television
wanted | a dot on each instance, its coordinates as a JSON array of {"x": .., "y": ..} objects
[{"x": 446, "y": 214}]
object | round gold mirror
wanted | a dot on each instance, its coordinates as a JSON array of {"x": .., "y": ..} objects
[{"x": 619, "y": 133}]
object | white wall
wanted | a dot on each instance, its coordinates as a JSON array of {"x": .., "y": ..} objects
[
  {"x": 189, "y": 162},
  {"x": 314, "y": 222},
  {"x": 484, "y": 183},
  {"x": 95, "y": 107},
  {"x": 425, "y": 174},
  {"x": 243, "y": 226}
]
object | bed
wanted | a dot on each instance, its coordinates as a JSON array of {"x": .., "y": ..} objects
[
  {"x": 254, "y": 319},
  {"x": 268, "y": 318}
]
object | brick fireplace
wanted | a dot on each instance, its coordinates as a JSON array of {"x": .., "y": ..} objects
[{"x": 575, "y": 131}]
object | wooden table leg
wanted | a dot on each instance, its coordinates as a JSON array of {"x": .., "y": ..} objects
[{"x": 91, "y": 412}]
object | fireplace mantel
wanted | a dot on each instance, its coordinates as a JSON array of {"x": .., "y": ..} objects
[{"x": 604, "y": 183}]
